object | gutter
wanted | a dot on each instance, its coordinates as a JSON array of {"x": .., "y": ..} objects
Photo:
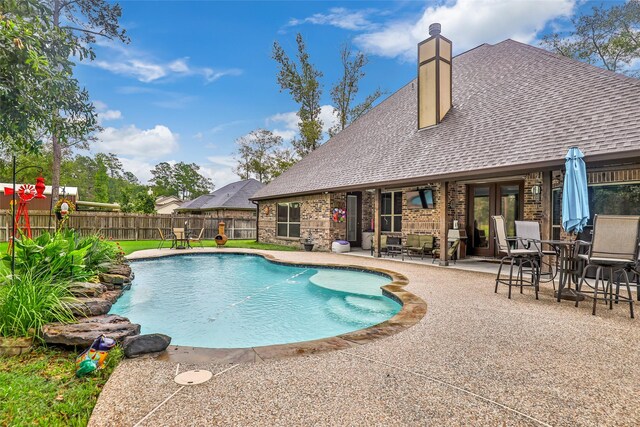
[{"x": 257, "y": 219}]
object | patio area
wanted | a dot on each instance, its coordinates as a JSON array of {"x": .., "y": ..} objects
[{"x": 476, "y": 358}]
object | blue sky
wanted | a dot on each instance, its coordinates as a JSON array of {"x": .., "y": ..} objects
[{"x": 198, "y": 74}]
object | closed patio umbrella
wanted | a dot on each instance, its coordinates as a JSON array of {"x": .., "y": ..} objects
[{"x": 575, "y": 196}]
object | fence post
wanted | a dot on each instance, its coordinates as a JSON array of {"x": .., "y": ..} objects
[{"x": 135, "y": 224}]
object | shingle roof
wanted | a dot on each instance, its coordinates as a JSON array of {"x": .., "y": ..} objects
[
  {"x": 514, "y": 106},
  {"x": 231, "y": 196}
]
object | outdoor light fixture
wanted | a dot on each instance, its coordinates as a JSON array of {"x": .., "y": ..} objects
[{"x": 536, "y": 190}]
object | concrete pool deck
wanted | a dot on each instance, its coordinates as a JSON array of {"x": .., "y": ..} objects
[{"x": 476, "y": 358}]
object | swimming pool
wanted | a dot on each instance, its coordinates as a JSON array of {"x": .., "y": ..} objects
[{"x": 239, "y": 301}]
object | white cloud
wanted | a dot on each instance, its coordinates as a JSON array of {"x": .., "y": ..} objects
[
  {"x": 140, "y": 168},
  {"x": 141, "y": 144},
  {"x": 104, "y": 113},
  {"x": 128, "y": 61},
  {"x": 220, "y": 170},
  {"x": 339, "y": 17},
  {"x": 289, "y": 122},
  {"x": 467, "y": 23}
]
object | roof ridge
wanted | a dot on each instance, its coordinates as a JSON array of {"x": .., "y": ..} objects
[{"x": 563, "y": 58}]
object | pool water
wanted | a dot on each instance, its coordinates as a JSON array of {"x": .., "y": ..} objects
[{"x": 234, "y": 301}]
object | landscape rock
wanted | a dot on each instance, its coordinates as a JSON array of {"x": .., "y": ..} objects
[
  {"x": 86, "y": 307},
  {"x": 87, "y": 289},
  {"x": 113, "y": 295},
  {"x": 120, "y": 269},
  {"x": 86, "y": 330},
  {"x": 138, "y": 345},
  {"x": 114, "y": 279}
]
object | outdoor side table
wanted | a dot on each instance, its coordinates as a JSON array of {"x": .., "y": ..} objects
[{"x": 568, "y": 267}]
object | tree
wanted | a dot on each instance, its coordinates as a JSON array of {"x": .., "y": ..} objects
[
  {"x": 608, "y": 37},
  {"x": 304, "y": 86},
  {"x": 256, "y": 155},
  {"x": 100, "y": 184},
  {"x": 190, "y": 183},
  {"x": 345, "y": 90},
  {"x": 283, "y": 159},
  {"x": 81, "y": 21},
  {"x": 38, "y": 94},
  {"x": 182, "y": 180},
  {"x": 163, "y": 180}
]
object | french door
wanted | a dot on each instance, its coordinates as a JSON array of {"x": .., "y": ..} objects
[
  {"x": 354, "y": 219},
  {"x": 485, "y": 201}
]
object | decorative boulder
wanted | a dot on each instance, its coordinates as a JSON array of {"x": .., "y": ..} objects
[
  {"x": 87, "y": 289},
  {"x": 86, "y": 330},
  {"x": 86, "y": 307},
  {"x": 138, "y": 345},
  {"x": 119, "y": 269},
  {"x": 114, "y": 279}
]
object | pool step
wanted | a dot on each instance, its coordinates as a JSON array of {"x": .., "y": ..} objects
[
  {"x": 338, "y": 308},
  {"x": 368, "y": 304}
]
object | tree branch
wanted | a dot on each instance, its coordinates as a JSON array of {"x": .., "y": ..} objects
[{"x": 88, "y": 31}]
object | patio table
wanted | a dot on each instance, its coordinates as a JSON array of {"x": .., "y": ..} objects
[
  {"x": 568, "y": 268},
  {"x": 181, "y": 241}
]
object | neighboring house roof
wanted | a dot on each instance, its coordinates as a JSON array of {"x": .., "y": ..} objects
[
  {"x": 68, "y": 191},
  {"x": 515, "y": 107},
  {"x": 164, "y": 200},
  {"x": 232, "y": 196}
]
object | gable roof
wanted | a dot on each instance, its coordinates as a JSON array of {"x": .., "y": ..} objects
[
  {"x": 515, "y": 107},
  {"x": 232, "y": 196}
]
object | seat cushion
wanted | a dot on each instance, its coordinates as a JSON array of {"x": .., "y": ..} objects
[
  {"x": 604, "y": 261},
  {"x": 521, "y": 252}
]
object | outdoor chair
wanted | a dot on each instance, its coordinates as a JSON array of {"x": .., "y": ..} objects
[
  {"x": 383, "y": 244},
  {"x": 528, "y": 235},
  {"x": 613, "y": 249},
  {"x": 419, "y": 244},
  {"x": 198, "y": 239},
  {"x": 178, "y": 235},
  {"x": 522, "y": 258},
  {"x": 452, "y": 252},
  {"x": 162, "y": 238}
]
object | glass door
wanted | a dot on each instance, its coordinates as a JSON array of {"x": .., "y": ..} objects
[
  {"x": 485, "y": 201},
  {"x": 480, "y": 221},
  {"x": 354, "y": 218}
]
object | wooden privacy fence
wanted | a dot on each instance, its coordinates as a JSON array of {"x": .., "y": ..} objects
[{"x": 132, "y": 226}]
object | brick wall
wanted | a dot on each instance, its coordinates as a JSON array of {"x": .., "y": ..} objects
[{"x": 315, "y": 217}]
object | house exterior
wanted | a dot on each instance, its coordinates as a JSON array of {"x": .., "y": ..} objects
[
  {"x": 168, "y": 204},
  {"x": 480, "y": 134},
  {"x": 230, "y": 201}
]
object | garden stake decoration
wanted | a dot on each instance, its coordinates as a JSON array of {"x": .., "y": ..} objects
[{"x": 26, "y": 193}]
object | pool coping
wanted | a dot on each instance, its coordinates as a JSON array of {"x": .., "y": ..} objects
[{"x": 413, "y": 310}]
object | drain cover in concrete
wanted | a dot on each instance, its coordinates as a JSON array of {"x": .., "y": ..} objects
[{"x": 193, "y": 377}]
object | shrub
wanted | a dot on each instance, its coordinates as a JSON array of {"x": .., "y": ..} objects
[{"x": 32, "y": 301}]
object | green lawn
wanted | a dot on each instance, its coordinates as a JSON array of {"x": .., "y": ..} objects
[
  {"x": 40, "y": 388},
  {"x": 129, "y": 246}
]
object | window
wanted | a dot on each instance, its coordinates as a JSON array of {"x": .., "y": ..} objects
[
  {"x": 607, "y": 199},
  {"x": 391, "y": 211},
  {"x": 288, "y": 223}
]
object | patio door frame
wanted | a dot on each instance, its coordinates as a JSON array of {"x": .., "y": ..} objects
[
  {"x": 358, "y": 241},
  {"x": 494, "y": 209}
]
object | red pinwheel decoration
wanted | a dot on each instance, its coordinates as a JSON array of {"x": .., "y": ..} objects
[{"x": 26, "y": 192}]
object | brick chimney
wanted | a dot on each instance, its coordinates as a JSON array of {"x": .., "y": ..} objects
[{"x": 434, "y": 78}]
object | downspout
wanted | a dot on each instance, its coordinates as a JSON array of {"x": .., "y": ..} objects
[{"x": 257, "y": 219}]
